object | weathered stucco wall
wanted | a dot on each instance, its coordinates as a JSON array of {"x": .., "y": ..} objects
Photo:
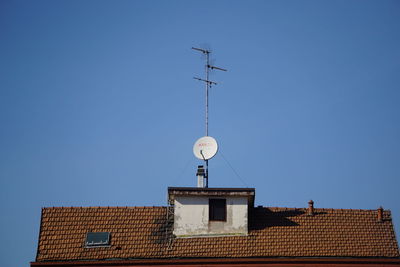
[{"x": 191, "y": 217}]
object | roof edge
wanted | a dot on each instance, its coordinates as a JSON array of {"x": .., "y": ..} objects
[
  {"x": 210, "y": 261},
  {"x": 40, "y": 233},
  {"x": 213, "y": 189}
]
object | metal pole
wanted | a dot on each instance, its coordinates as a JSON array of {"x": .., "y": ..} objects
[
  {"x": 207, "y": 86},
  {"x": 206, "y": 173}
]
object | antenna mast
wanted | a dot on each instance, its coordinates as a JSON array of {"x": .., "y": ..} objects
[
  {"x": 206, "y": 80},
  {"x": 209, "y": 84}
]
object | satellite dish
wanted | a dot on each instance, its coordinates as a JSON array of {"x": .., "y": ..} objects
[{"x": 205, "y": 148}]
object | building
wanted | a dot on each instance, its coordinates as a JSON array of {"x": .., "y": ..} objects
[{"x": 215, "y": 226}]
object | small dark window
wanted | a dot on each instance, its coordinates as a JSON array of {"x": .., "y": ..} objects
[
  {"x": 217, "y": 209},
  {"x": 95, "y": 239}
]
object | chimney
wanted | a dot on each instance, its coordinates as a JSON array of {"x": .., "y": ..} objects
[
  {"x": 310, "y": 210},
  {"x": 200, "y": 176},
  {"x": 380, "y": 214}
]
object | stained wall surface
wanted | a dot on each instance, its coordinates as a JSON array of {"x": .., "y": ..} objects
[{"x": 191, "y": 217}]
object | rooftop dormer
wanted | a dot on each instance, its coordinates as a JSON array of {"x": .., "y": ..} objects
[{"x": 210, "y": 211}]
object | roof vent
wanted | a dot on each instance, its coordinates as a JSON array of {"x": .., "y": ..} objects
[
  {"x": 310, "y": 210},
  {"x": 380, "y": 214}
]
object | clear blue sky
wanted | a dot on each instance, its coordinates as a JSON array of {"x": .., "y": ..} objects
[{"x": 98, "y": 105}]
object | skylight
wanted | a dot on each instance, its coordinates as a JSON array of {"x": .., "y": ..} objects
[{"x": 96, "y": 239}]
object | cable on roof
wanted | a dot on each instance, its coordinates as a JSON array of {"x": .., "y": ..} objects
[{"x": 237, "y": 175}]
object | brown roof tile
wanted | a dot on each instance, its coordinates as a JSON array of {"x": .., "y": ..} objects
[{"x": 143, "y": 232}]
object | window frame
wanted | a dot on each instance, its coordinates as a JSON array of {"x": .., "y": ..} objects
[
  {"x": 98, "y": 244},
  {"x": 215, "y": 206}
]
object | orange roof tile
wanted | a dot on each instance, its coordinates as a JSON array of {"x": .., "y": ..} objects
[{"x": 143, "y": 233}]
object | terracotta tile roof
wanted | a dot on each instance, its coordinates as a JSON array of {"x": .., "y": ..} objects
[{"x": 143, "y": 233}]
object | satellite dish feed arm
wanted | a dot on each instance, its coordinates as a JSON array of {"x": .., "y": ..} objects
[{"x": 201, "y": 153}]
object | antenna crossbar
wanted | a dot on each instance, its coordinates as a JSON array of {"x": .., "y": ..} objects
[
  {"x": 202, "y": 50},
  {"x": 206, "y": 81},
  {"x": 215, "y": 68}
]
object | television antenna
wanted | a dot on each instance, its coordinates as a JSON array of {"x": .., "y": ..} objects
[{"x": 206, "y": 147}]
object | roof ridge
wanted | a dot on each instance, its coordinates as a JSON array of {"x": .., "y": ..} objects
[
  {"x": 104, "y": 207},
  {"x": 152, "y": 207},
  {"x": 323, "y": 209}
]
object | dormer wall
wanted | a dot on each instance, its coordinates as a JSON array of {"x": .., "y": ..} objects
[{"x": 210, "y": 211}]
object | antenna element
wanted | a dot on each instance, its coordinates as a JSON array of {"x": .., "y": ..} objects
[{"x": 206, "y": 80}]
